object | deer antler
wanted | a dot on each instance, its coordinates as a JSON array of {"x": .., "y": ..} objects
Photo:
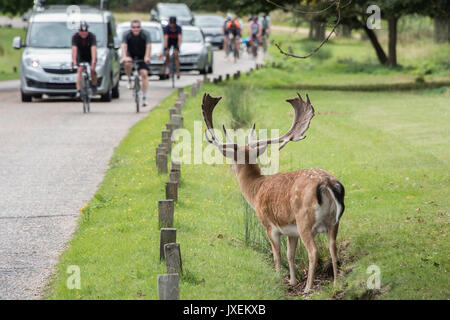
[
  {"x": 303, "y": 113},
  {"x": 208, "y": 105}
]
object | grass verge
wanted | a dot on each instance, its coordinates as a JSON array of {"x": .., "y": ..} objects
[{"x": 9, "y": 57}]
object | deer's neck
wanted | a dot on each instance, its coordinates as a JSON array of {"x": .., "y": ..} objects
[{"x": 250, "y": 180}]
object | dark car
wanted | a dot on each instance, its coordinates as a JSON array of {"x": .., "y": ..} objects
[
  {"x": 211, "y": 25},
  {"x": 163, "y": 11}
]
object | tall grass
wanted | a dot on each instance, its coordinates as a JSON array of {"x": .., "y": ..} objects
[{"x": 238, "y": 104}]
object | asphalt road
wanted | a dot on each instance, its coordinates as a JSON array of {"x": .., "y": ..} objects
[{"x": 52, "y": 158}]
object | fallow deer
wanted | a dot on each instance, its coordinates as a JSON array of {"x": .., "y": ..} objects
[{"x": 301, "y": 204}]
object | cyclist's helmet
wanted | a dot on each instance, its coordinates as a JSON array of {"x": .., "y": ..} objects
[
  {"x": 83, "y": 26},
  {"x": 173, "y": 19},
  {"x": 229, "y": 16}
]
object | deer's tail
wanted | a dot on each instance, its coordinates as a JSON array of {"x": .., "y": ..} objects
[{"x": 336, "y": 191}]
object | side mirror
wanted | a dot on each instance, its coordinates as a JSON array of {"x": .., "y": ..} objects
[
  {"x": 117, "y": 43},
  {"x": 17, "y": 43},
  {"x": 208, "y": 39}
]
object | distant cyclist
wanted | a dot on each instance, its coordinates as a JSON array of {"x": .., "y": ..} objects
[
  {"x": 265, "y": 25},
  {"x": 136, "y": 45},
  {"x": 84, "y": 49},
  {"x": 254, "y": 30},
  {"x": 234, "y": 27},
  {"x": 225, "y": 32},
  {"x": 172, "y": 38}
]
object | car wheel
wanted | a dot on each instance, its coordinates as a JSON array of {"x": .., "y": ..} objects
[
  {"x": 205, "y": 70},
  {"x": 25, "y": 97},
  {"x": 162, "y": 77},
  {"x": 210, "y": 69},
  {"x": 115, "y": 91},
  {"x": 106, "y": 97}
]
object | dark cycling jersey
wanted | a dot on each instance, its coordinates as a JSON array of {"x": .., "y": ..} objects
[
  {"x": 172, "y": 36},
  {"x": 136, "y": 45},
  {"x": 84, "y": 46}
]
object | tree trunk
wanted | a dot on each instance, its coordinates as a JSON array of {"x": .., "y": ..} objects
[
  {"x": 311, "y": 30},
  {"x": 346, "y": 31},
  {"x": 441, "y": 29},
  {"x": 392, "y": 25},
  {"x": 320, "y": 31},
  {"x": 376, "y": 45}
]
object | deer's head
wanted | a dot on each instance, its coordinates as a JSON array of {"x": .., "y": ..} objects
[{"x": 247, "y": 154}]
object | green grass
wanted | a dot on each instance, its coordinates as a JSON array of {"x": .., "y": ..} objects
[
  {"x": 389, "y": 148},
  {"x": 9, "y": 57}
]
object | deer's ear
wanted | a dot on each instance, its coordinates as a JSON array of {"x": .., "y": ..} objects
[{"x": 260, "y": 149}]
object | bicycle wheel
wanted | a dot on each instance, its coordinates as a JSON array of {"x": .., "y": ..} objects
[
  {"x": 137, "y": 89},
  {"x": 172, "y": 72},
  {"x": 83, "y": 93}
]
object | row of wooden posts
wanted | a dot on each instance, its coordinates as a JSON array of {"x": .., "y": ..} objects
[{"x": 169, "y": 250}]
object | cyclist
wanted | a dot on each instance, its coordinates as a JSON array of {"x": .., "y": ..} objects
[
  {"x": 254, "y": 29},
  {"x": 234, "y": 27},
  {"x": 225, "y": 33},
  {"x": 136, "y": 45},
  {"x": 172, "y": 38},
  {"x": 265, "y": 28},
  {"x": 84, "y": 49}
]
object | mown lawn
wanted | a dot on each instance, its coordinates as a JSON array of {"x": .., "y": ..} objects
[
  {"x": 390, "y": 150},
  {"x": 9, "y": 57}
]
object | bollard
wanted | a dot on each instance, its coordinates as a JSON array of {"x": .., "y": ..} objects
[
  {"x": 171, "y": 127},
  {"x": 176, "y": 166},
  {"x": 205, "y": 79},
  {"x": 219, "y": 79},
  {"x": 177, "y": 120},
  {"x": 179, "y": 104},
  {"x": 172, "y": 190},
  {"x": 227, "y": 76},
  {"x": 168, "y": 286},
  {"x": 166, "y": 145},
  {"x": 172, "y": 254},
  {"x": 174, "y": 176},
  {"x": 238, "y": 73},
  {"x": 193, "y": 90},
  {"x": 168, "y": 235},
  {"x": 165, "y": 134},
  {"x": 161, "y": 162},
  {"x": 180, "y": 92},
  {"x": 173, "y": 111},
  {"x": 165, "y": 213}
]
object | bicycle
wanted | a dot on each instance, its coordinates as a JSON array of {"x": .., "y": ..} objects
[
  {"x": 172, "y": 66},
  {"x": 136, "y": 83},
  {"x": 254, "y": 47},
  {"x": 232, "y": 47},
  {"x": 86, "y": 88}
]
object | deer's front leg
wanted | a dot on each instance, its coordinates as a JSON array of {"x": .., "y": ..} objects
[
  {"x": 292, "y": 245},
  {"x": 274, "y": 238}
]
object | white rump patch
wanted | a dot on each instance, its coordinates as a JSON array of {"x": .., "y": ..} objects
[{"x": 287, "y": 230}]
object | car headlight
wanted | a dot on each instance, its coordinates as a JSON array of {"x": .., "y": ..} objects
[
  {"x": 31, "y": 62},
  {"x": 164, "y": 22}
]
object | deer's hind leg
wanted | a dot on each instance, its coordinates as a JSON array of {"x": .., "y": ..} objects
[
  {"x": 292, "y": 246},
  {"x": 274, "y": 238},
  {"x": 332, "y": 234}
]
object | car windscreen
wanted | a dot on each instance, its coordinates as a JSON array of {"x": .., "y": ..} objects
[
  {"x": 155, "y": 33},
  {"x": 57, "y": 35},
  {"x": 176, "y": 11},
  {"x": 209, "y": 21},
  {"x": 192, "y": 36}
]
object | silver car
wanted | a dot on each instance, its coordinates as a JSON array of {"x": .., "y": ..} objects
[
  {"x": 212, "y": 27},
  {"x": 157, "y": 57},
  {"x": 45, "y": 67},
  {"x": 195, "y": 52}
]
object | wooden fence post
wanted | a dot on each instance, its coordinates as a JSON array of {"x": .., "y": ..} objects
[
  {"x": 174, "y": 176},
  {"x": 165, "y": 213},
  {"x": 161, "y": 162},
  {"x": 168, "y": 286},
  {"x": 168, "y": 235},
  {"x": 172, "y": 254},
  {"x": 172, "y": 190}
]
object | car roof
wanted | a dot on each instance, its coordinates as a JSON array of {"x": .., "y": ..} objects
[
  {"x": 190, "y": 28},
  {"x": 143, "y": 23},
  {"x": 59, "y": 13},
  {"x": 171, "y": 5}
]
